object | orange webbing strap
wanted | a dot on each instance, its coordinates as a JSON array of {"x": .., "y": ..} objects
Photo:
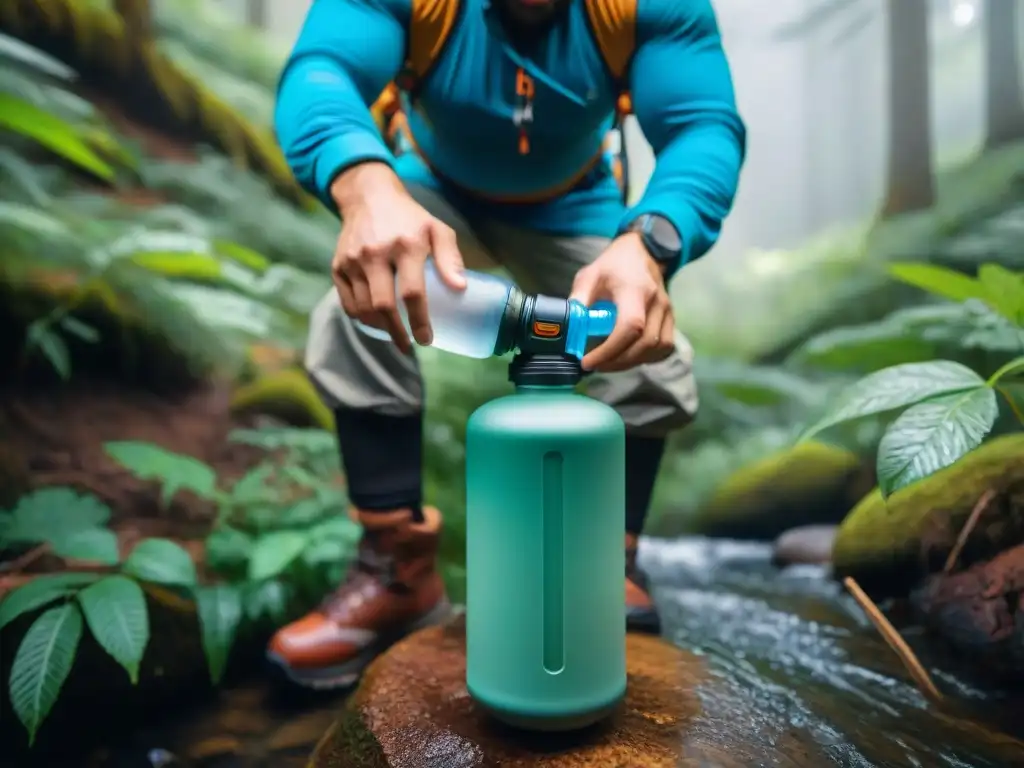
[
  {"x": 613, "y": 24},
  {"x": 430, "y": 24}
]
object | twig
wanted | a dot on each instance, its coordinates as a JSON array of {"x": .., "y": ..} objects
[
  {"x": 965, "y": 532},
  {"x": 24, "y": 561},
  {"x": 894, "y": 639}
]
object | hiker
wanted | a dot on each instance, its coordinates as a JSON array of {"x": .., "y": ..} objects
[{"x": 505, "y": 106}]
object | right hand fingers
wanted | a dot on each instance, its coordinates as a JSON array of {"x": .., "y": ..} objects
[
  {"x": 412, "y": 289},
  {"x": 444, "y": 245},
  {"x": 629, "y": 327}
]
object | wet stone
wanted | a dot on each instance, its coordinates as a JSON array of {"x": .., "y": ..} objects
[
  {"x": 412, "y": 711},
  {"x": 806, "y": 545}
]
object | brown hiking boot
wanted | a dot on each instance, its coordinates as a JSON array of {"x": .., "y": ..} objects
[
  {"x": 392, "y": 589},
  {"x": 641, "y": 615}
]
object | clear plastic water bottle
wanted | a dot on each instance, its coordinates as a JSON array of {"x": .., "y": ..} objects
[{"x": 491, "y": 316}]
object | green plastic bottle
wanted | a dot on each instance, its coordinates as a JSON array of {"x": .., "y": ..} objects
[{"x": 545, "y": 474}]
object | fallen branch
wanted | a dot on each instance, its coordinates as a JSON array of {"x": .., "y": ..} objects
[
  {"x": 895, "y": 640},
  {"x": 22, "y": 562},
  {"x": 965, "y": 532}
]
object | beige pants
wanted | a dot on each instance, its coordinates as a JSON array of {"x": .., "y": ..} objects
[{"x": 356, "y": 371}]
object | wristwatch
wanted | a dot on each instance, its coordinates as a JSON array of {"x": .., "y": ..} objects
[{"x": 660, "y": 238}]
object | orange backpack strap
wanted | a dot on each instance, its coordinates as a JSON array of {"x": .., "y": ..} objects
[
  {"x": 613, "y": 24},
  {"x": 430, "y": 25}
]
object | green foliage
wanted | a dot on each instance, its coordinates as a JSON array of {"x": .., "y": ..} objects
[{"x": 947, "y": 408}]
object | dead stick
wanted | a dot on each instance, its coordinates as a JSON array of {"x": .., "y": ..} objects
[
  {"x": 965, "y": 532},
  {"x": 895, "y": 640},
  {"x": 24, "y": 561}
]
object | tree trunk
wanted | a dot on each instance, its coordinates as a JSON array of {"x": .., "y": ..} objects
[
  {"x": 911, "y": 183},
  {"x": 256, "y": 13},
  {"x": 1004, "y": 105},
  {"x": 137, "y": 16}
]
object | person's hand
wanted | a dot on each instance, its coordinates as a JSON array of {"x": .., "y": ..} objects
[
  {"x": 385, "y": 235},
  {"x": 644, "y": 330}
]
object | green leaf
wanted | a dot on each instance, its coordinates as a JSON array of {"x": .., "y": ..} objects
[
  {"x": 227, "y": 550},
  {"x": 42, "y": 337},
  {"x": 1004, "y": 291},
  {"x": 274, "y": 552},
  {"x": 898, "y": 387},
  {"x": 252, "y": 487},
  {"x": 77, "y": 328},
  {"x": 220, "y": 611},
  {"x": 96, "y": 545},
  {"x": 267, "y": 599},
  {"x": 115, "y": 610},
  {"x": 52, "y": 513},
  {"x": 61, "y": 138},
  {"x": 176, "y": 472},
  {"x": 161, "y": 561},
  {"x": 932, "y": 435},
  {"x": 42, "y": 664},
  {"x": 940, "y": 281},
  {"x": 41, "y": 591}
]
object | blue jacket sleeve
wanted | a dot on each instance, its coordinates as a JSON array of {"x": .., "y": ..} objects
[
  {"x": 346, "y": 53},
  {"x": 683, "y": 99}
]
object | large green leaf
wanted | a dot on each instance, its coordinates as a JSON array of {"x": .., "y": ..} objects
[
  {"x": 898, "y": 387},
  {"x": 275, "y": 551},
  {"x": 52, "y": 513},
  {"x": 42, "y": 664},
  {"x": 115, "y": 610},
  {"x": 932, "y": 435},
  {"x": 41, "y": 591},
  {"x": 227, "y": 550},
  {"x": 220, "y": 611},
  {"x": 95, "y": 545},
  {"x": 1004, "y": 290},
  {"x": 161, "y": 561},
  {"x": 176, "y": 472},
  {"x": 61, "y": 138},
  {"x": 940, "y": 281}
]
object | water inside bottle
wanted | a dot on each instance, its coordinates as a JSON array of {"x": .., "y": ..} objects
[{"x": 464, "y": 322}]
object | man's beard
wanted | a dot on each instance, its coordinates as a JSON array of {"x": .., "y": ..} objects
[{"x": 525, "y": 23}]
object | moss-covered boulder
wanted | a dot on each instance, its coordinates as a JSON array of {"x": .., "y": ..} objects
[
  {"x": 412, "y": 710},
  {"x": 807, "y": 484},
  {"x": 890, "y": 546}
]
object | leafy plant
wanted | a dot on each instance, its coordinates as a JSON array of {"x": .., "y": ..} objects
[
  {"x": 947, "y": 408},
  {"x": 112, "y": 602}
]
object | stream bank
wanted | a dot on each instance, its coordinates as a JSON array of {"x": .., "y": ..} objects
[{"x": 790, "y": 657}]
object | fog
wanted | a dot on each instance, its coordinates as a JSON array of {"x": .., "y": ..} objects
[{"x": 815, "y": 107}]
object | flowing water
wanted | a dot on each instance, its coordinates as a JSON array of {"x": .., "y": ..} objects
[{"x": 793, "y": 654}]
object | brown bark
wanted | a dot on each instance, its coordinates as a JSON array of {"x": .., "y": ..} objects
[
  {"x": 1004, "y": 105},
  {"x": 911, "y": 182}
]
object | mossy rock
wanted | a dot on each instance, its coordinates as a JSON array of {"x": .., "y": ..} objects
[
  {"x": 412, "y": 710},
  {"x": 286, "y": 394},
  {"x": 889, "y": 546},
  {"x": 808, "y": 484}
]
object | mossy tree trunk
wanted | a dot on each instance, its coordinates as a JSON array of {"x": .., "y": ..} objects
[
  {"x": 910, "y": 179},
  {"x": 137, "y": 16},
  {"x": 1004, "y": 105}
]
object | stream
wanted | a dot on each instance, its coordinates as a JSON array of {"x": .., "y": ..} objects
[{"x": 796, "y": 652}]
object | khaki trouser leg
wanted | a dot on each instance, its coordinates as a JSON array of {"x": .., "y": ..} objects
[{"x": 354, "y": 370}]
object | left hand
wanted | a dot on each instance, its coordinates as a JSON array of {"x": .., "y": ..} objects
[{"x": 626, "y": 275}]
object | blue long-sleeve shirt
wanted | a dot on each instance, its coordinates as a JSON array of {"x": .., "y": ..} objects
[{"x": 681, "y": 86}]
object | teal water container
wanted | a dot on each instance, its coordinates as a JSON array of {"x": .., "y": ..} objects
[{"x": 545, "y": 509}]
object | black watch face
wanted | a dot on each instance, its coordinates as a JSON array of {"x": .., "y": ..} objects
[{"x": 664, "y": 234}]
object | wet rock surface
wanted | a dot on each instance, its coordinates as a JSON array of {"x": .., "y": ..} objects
[
  {"x": 412, "y": 710},
  {"x": 806, "y": 545}
]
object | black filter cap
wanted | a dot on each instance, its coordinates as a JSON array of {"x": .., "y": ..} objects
[{"x": 538, "y": 370}]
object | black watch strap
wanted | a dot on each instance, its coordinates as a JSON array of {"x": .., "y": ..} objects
[{"x": 660, "y": 238}]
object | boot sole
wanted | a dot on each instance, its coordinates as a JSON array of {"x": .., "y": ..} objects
[
  {"x": 646, "y": 622},
  {"x": 346, "y": 675}
]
